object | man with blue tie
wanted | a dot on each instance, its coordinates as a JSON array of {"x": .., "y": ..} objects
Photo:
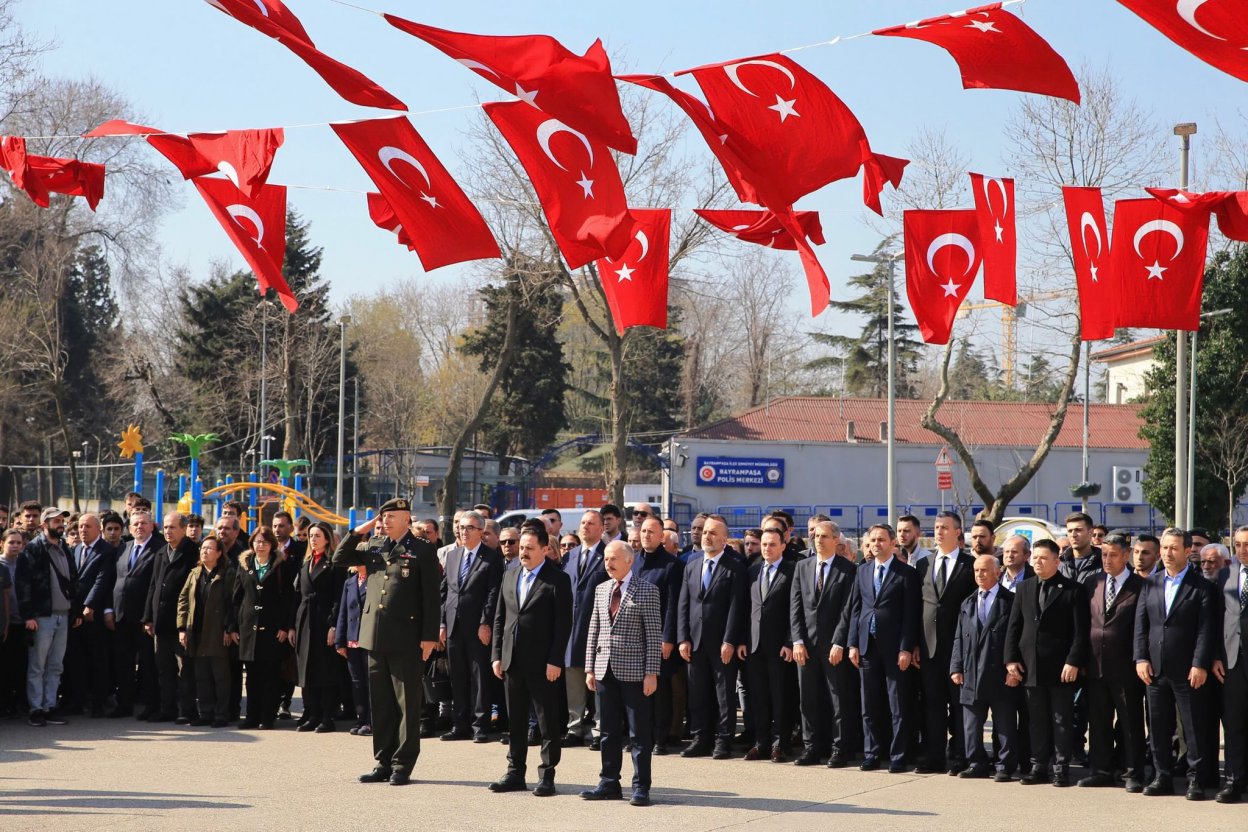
[
  {"x": 711, "y": 627},
  {"x": 85, "y": 681},
  {"x": 1175, "y": 633},
  {"x": 769, "y": 660},
  {"x": 585, "y": 571},
  {"x": 884, "y": 619},
  {"x": 1232, "y": 669},
  {"x": 132, "y": 647}
]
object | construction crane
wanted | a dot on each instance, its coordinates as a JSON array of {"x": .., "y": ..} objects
[{"x": 1009, "y": 323}]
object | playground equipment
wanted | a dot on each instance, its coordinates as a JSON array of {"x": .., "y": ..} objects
[
  {"x": 293, "y": 500},
  {"x": 194, "y": 443}
]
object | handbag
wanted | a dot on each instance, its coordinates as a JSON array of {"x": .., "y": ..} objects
[{"x": 437, "y": 682}]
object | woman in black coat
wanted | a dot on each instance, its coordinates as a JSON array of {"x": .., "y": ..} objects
[
  {"x": 318, "y": 589},
  {"x": 262, "y": 596}
]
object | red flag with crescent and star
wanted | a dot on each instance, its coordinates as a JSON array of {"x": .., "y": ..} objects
[
  {"x": 272, "y": 18},
  {"x": 636, "y": 284},
  {"x": 942, "y": 260},
  {"x": 257, "y": 226},
  {"x": 383, "y": 216},
  {"x": 576, "y": 181},
  {"x": 40, "y": 176},
  {"x": 437, "y": 216},
  {"x": 994, "y": 206},
  {"x": 1158, "y": 264},
  {"x": 995, "y": 49},
  {"x": 576, "y": 89},
  {"x": 1089, "y": 249},
  {"x": 1230, "y": 207},
  {"x": 1216, "y": 31},
  {"x": 791, "y": 131}
]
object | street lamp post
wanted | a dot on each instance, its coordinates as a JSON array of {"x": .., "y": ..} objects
[
  {"x": 1189, "y": 519},
  {"x": 264, "y": 382},
  {"x": 342, "y": 409},
  {"x": 890, "y": 474},
  {"x": 1181, "y": 496}
]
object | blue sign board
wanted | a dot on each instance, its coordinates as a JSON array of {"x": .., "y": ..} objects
[{"x": 740, "y": 472}]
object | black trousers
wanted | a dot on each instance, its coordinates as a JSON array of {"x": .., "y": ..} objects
[
  {"x": 175, "y": 677},
  {"x": 263, "y": 691},
  {"x": 529, "y": 689},
  {"x": 357, "y": 665},
  {"x": 623, "y": 705},
  {"x": 86, "y": 680},
  {"x": 1052, "y": 711},
  {"x": 885, "y": 695},
  {"x": 1235, "y": 721},
  {"x": 396, "y": 687},
  {"x": 770, "y": 679},
  {"x": 661, "y": 707},
  {"x": 212, "y": 686},
  {"x": 1166, "y": 694},
  {"x": 827, "y": 722},
  {"x": 712, "y": 696},
  {"x": 468, "y": 664},
  {"x": 319, "y": 703},
  {"x": 942, "y": 733},
  {"x": 13, "y": 652},
  {"x": 1116, "y": 718},
  {"x": 1005, "y": 736},
  {"x": 134, "y": 666}
]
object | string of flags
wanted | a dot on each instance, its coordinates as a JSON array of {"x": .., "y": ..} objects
[{"x": 778, "y": 132}]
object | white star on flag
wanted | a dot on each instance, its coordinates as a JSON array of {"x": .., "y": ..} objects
[
  {"x": 1155, "y": 270},
  {"x": 587, "y": 185},
  {"x": 983, "y": 26},
  {"x": 431, "y": 199},
  {"x": 997, "y": 228},
  {"x": 1093, "y": 268},
  {"x": 526, "y": 96},
  {"x": 624, "y": 273},
  {"x": 951, "y": 288},
  {"x": 784, "y": 108}
]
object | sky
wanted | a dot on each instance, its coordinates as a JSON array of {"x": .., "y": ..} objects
[{"x": 185, "y": 67}]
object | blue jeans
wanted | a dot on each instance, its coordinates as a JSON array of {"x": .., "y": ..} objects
[{"x": 43, "y": 670}]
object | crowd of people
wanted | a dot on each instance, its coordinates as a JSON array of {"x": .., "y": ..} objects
[{"x": 1122, "y": 656}]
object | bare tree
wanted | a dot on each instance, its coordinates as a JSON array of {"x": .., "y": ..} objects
[
  {"x": 1224, "y": 449},
  {"x": 759, "y": 284}
]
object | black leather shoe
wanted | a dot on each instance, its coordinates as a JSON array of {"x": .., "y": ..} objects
[
  {"x": 757, "y": 753},
  {"x": 1096, "y": 780},
  {"x": 1061, "y": 778},
  {"x": 1231, "y": 794},
  {"x": 427, "y": 730},
  {"x": 897, "y": 767},
  {"x": 304, "y": 727},
  {"x": 1134, "y": 786},
  {"x": 698, "y": 749},
  {"x": 958, "y": 767},
  {"x": 723, "y": 751},
  {"x": 869, "y": 764},
  {"x": 182, "y": 720},
  {"x": 1159, "y": 786},
  {"x": 925, "y": 768},
  {"x": 838, "y": 760},
  {"x": 481, "y": 738},
  {"x": 973, "y": 773},
  {"x": 1034, "y": 777},
  {"x": 399, "y": 777},
  {"x": 1195, "y": 791},
  {"x": 807, "y": 758},
  {"x": 326, "y": 728},
  {"x": 572, "y": 741},
  {"x": 508, "y": 784},
  {"x": 660, "y": 750},
  {"x": 596, "y": 744},
  {"x": 451, "y": 736},
  {"x": 544, "y": 789},
  {"x": 603, "y": 793},
  {"x": 640, "y": 798},
  {"x": 1002, "y": 777},
  {"x": 377, "y": 775}
]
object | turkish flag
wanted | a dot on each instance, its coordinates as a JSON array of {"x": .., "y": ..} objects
[
  {"x": 1230, "y": 207},
  {"x": 383, "y": 216},
  {"x": 39, "y": 176},
  {"x": 995, "y": 50},
  {"x": 176, "y": 148},
  {"x": 1089, "y": 248},
  {"x": 244, "y": 156},
  {"x": 994, "y": 206},
  {"x": 1216, "y": 31},
  {"x": 442, "y": 224},
  {"x": 636, "y": 284},
  {"x": 1158, "y": 264},
  {"x": 792, "y": 132},
  {"x": 272, "y": 18},
  {"x": 942, "y": 258},
  {"x": 764, "y": 228},
  {"x": 576, "y": 89},
  {"x": 576, "y": 181},
  {"x": 257, "y": 225}
]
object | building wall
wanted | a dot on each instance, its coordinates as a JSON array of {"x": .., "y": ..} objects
[
  {"x": 854, "y": 474},
  {"x": 1125, "y": 379}
]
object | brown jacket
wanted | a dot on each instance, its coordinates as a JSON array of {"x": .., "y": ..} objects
[{"x": 219, "y": 615}]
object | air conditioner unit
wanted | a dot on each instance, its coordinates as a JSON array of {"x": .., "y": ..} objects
[{"x": 1128, "y": 484}]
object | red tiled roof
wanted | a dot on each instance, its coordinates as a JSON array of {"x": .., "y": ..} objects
[
  {"x": 1129, "y": 350},
  {"x": 1009, "y": 424}
]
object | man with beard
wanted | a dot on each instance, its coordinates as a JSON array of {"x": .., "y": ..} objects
[{"x": 46, "y": 596}]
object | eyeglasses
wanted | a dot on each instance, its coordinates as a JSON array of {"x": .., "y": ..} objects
[
  {"x": 566, "y": 545},
  {"x": 469, "y": 528},
  {"x": 508, "y": 542},
  {"x": 641, "y": 514}
]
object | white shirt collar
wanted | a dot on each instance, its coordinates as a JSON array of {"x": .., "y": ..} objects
[
  {"x": 715, "y": 560},
  {"x": 534, "y": 570},
  {"x": 886, "y": 564},
  {"x": 628, "y": 576},
  {"x": 1179, "y": 577},
  {"x": 992, "y": 593}
]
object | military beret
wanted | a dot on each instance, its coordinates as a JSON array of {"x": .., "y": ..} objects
[{"x": 397, "y": 504}]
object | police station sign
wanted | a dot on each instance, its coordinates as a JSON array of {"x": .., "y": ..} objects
[{"x": 740, "y": 472}]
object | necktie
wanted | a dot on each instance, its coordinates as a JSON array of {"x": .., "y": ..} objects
[
  {"x": 1044, "y": 593},
  {"x": 616, "y": 594},
  {"x": 134, "y": 553},
  {"x": 771, "y": 574},
  {"x": 706, "y": 576},
  {"x": 983, "y": 608},
  {"x": 1111, "y": 592},
  {"x": 580, "y": 568},
  {"x": 1243, "y": 589},
  {"x": 879, "y": 581},
  {"x": 525, "y": 587},
  {"x": 823, "y": 576},
  {"x": 942, "y": 574},
  {"x": 464, "y": 567}
]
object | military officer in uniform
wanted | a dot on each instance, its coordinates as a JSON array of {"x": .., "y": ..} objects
[{"x": 402, "y": 610}]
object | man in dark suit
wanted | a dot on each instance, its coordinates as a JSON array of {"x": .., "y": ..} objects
[
  {"x": 1046, "y": 648},
  {"x": 977, "y": 667},
  {"x": 399, "y": 629},
  {"x": 294, "y": 549},
  {"x": 819, "y": 613},
  {"x": 947, "y": 579},
  {"x": 712, "y": 630},
  {"x": 85, "y": 683},
  {"x": 175, "y": 676},
  {"x": 884, "y": 632},
  {"x": 470, "y": 585},
  {"x": 663, "y": 569},
  {"x": 1232, "y": 669},
  {"x": 532, "y": 624},
  {"x": 769, "y": 658},
  {"x": 622, "y": 656},
  {"x": 585, "y": 571},
  {"x": 1114, "y": 689},
  {"x": 1176, "y": 629},
  {"x": 131, "y": 645}
]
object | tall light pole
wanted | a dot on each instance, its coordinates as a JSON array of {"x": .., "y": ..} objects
[
  {"x": 1189, "y": 519},
  {"x": 890, "y": 486},
  {"x": 355, "y": 446},
  {"x": 264, "y": 381},
  {"x": 342, "y": 410},
  {"x": 1181, "y": 496}
]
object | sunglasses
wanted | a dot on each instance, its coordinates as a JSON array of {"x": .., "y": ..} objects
[
  {"x": 508, "y": 542},
  {"x": 566, "y": 545},
  {"x": 641, "y": 514}
]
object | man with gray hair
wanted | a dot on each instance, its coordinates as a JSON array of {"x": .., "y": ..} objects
[
  {"x": 175, "y": 676},
  {"x": 1214, "y": 557},
  {"x": 1015, "y": 554},
  {"x": 584, "y": 566}
]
